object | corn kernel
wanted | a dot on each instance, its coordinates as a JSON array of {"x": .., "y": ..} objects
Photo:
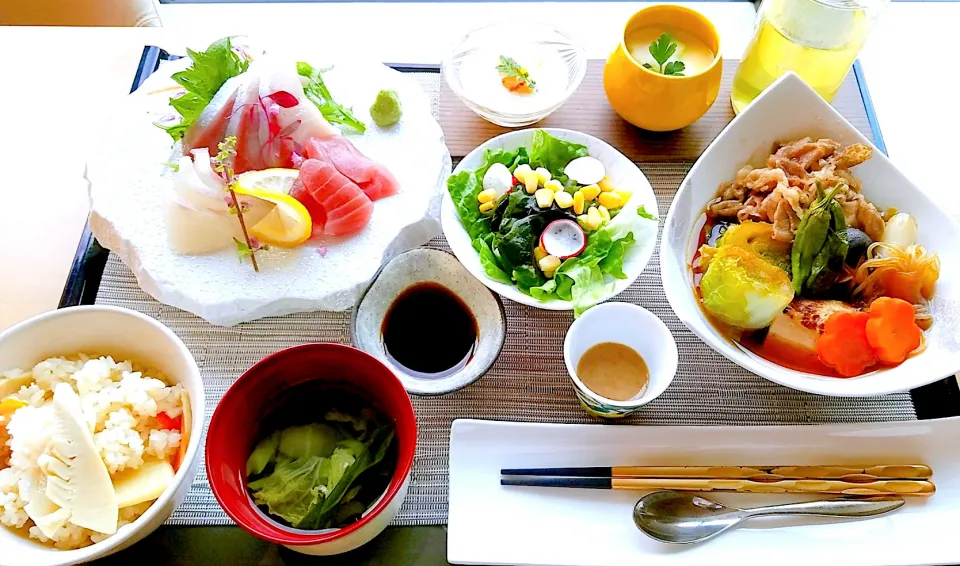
[
  {"x": 578, "y": 202},
  {"x": 610, "y": 200},
  {"x": 487, "y": 206},
  {"x": 605, "y": 185},
  {"x": 539, "y": 253},
  {"x": 590, "y": 192},
  {"x": 554, "y": 185},
  {"x": 549, "y": 263},
  {"x": 544, "y": 197},
  {"x": 521, "y": 172},
  {"x": 544, "y": 175},
  {"x": 564, "y": 199},
  {"x": 487, "y": 195},
  {"x": 532, "y": 183},
  {"x": 604, "y": 213},
  {"x": 593, "y": 218},
  {"x": 582, "y": 221},
  {"x": 624, "y": 194}
]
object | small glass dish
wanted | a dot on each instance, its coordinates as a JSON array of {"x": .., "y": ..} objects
[{"x": 554, "y": 61}]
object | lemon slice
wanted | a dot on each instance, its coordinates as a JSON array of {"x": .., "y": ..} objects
[
  {"x": 288, "y": 223},
  {"x": 272, "y": 181}
]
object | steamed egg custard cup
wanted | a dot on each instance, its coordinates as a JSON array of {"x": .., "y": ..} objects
[
  {"x": 124, "y": 335},
  {"x": 235, "y": 425},
  {"x": 634, "y": 327},
  {"x": 653, "y": 101}
]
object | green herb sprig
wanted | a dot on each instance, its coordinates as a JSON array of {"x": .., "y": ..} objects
[
  {"x": 223, "y": 164},
  {"x": 662, "y": 50},
  {"x": 508, "y": 67}
]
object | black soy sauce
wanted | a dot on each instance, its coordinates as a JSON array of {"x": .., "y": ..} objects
[{"x": 429, "y": 332}]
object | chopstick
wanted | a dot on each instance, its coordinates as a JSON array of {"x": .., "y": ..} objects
[
  {"x": 754, "y": 473},
  {"x": 812, "y": 486}
]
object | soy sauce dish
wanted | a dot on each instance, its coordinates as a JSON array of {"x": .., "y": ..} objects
[{"x": 430, "y": 321}]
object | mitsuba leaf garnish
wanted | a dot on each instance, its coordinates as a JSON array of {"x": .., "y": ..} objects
[
  {"x": 515, "y": 77},
  {"x": 662, "y": 50},
  {"x": 201, "y": 80}
]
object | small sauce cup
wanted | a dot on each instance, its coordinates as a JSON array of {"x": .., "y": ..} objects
[
  {"x": 634, "y": 327},
  {"x": 656, "y": 102}
]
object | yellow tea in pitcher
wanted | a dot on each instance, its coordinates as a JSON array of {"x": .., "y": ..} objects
[{"x": 816, "y": 39}]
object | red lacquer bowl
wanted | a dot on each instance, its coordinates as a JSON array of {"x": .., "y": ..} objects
[{"x": 236, "y": 421}]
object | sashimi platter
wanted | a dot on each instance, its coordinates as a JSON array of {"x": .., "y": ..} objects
[{"x": 250, "y": 184}]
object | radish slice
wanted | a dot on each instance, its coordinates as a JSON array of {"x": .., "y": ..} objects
[
  {"x": 498, "y": 177},
  {"x": 563, "y": 238},
  {"x": 585, "y": 170}
]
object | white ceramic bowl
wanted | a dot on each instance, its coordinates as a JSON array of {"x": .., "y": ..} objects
[
  {"x": 622, "y": 173},
  {"x": 632, "y": 326},
  {"x": 508, "y": 39},
  {"x": 125, "y": 335},
  {"x": 790, "y": 110}
]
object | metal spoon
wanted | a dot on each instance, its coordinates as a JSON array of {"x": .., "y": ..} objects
[{"x": 682, "y": 518}]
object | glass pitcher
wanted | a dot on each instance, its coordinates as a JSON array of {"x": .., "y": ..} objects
[{"x": 816, "y": 39}]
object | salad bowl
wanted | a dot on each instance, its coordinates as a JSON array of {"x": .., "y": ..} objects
[
  {"x": 635, "y": 217},
  {"x": 791, "y": 110}
]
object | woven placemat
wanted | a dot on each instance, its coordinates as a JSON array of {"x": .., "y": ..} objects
[{"x": 528, "y": 382}]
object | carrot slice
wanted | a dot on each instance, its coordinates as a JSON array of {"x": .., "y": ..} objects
[
  {"x": 843, "y": 344},
  {"x": 892, "y": 330}
]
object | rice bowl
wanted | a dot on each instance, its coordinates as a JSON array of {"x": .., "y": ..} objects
[
  {"x": 124, "y": 408},
  {"x": 156, "y": 351}
]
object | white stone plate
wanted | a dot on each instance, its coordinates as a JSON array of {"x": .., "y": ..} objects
[{"x": 129, "y": 183}]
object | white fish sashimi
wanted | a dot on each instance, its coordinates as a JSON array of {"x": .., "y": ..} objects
[
  {"x": 266, "y": 110},
  {"x": 277, "y": 78}
]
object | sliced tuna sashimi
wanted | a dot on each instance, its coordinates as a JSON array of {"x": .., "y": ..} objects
[
  {"x": 373, "y": 178},
  {"x": 346, "y": 209},
  {"x": 351, "y": 222},
  {"x": 317, "y": 213}
]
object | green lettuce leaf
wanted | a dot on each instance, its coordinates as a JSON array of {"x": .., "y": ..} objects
[
  {"x": 354, "y": 458},
  {"x": 318, "y": 93},
  {"x": 612, "y": 264},
  {"x": 208, "y": 71},
  {"x": 553, "y": 153},
  {"x": 489, "y": 262},
  {"x": 293, "y": 488},
  {"x": 463, "y": 188}
]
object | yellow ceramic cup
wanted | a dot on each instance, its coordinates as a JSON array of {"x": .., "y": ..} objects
[{"x": 658, "y": 102}]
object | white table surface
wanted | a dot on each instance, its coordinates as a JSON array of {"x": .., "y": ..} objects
[{"x": 52, "y": 104}]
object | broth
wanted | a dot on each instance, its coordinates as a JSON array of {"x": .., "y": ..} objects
[{"x": 429, "y": 332}]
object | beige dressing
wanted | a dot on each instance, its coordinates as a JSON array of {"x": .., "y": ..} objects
[{"x": 613, "y": 370}]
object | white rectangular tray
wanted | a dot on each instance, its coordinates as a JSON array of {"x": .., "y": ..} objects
[{"x": 493, "y": 524}]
